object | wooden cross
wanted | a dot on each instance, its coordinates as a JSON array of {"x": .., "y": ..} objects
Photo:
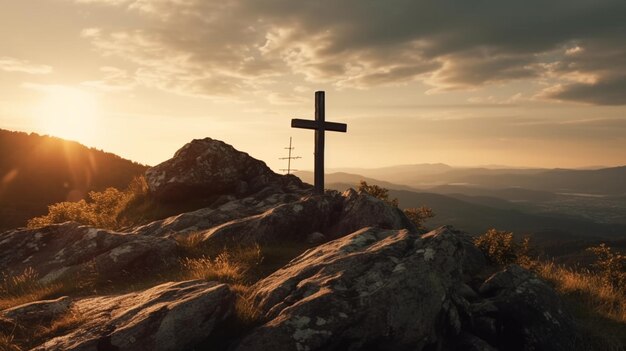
[{"x": 320, "y": 126}]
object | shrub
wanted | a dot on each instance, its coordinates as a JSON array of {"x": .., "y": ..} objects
[
  {"x": 101, "y": 209},
  {"x": 377, "y": 192},
  {"x": 419, "y": 215},
  {"x": 500, "y": 248},
  {"x": 611, "y": 266}
]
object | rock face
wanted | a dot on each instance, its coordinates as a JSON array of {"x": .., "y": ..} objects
[
  {"x": 168, "y": 317},
  {"x": 381, "y": 289},
  {"x": 37, "y": 312},
  {"x": 373, "y": 289},
  {"x": 282, "y": 217},
  {"x": 208, "y": 167},
  {"x": 64, "y": 250},
  {"x": 522, "y": 312}
]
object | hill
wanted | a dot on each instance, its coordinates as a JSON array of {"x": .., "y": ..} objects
[
  {"x": 36, "y": 171},
  {"x": 605, "y": 181}
]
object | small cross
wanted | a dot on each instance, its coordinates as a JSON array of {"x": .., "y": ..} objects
[{"x": 320, "y": 126}]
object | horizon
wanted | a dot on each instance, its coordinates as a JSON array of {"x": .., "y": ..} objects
[
  {"x": 448, "y": 83},
  {"x": 349, "y": 169}
]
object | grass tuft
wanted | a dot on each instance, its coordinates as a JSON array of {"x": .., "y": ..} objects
[{"x": 230, "y": 266}]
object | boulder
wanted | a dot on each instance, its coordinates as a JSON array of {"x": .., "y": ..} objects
[
  {"x": 363, "y": 210},
  {"x": 208, "y": 167},
  {"x": 373, "y": 289},
  {"x": 522, "y": 312},
  {"x": 38, "y": 311},
  {"x": 68, "y": 250},
  {"x": 168, "y": 317}
]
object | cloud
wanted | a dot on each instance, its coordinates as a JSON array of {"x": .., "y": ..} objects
[
  {"x": 216, "y": 48},
  {"x": 11, "y": 64},
  {"x": 609, "y": 91},
  {"x": 115, "y": 79}
]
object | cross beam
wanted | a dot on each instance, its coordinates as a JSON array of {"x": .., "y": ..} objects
[{"x": 320, "y": 126}]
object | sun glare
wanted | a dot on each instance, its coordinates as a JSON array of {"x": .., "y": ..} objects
[{"x": 68, "y": 113}]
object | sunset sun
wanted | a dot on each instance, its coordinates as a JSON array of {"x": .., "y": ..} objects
[{"x": 68, "y": 113}]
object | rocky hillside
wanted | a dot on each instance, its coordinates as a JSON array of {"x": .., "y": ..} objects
[
  {"x": 369, "y": 280},
  {"x": 37, "y": 171}
]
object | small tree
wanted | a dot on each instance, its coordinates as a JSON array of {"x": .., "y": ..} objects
[
  {"x": 611, "y": 265},
  {"x": 419, "y": 215},
  {"x": 377, "y": 192},
  {"x": 497, "y": 246}
]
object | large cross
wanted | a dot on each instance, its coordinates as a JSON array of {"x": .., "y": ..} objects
[{"x": 320, "y": 126}]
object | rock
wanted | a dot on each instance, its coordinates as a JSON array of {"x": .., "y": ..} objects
[
  {"x": 469, "y": 342},
  {"x": 171, "y": 316},
  {"x": 363, "y": 210},
  {"x": 315, "y": 238},
  {"x": 208, "y": 167},
  {"x": 66, "y": 250},
  {"x": 475, "y": 261},
  {"x": 466, "y": 291},
  {"x": 333, "y": 214},
  {"x": 373, "y": 289},
  {"x": 37, "y": 312},
  {"x": 527, "y": 312},
  {"x": 210, "y": 217}
]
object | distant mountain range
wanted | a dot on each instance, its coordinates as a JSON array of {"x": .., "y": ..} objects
[
  {"x": 36, "y": 171},
  {"x": 525, "y": 211},
  {"x": 605, "y": 181}
]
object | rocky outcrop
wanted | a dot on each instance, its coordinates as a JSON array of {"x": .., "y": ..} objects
[
  {"x": 255, "y": 204},
  {"x": 373, "y": 283},
  {"x": 282, "y": 217},
  {"x": 208, "y": 167},
  {"x": 67, "y": 250},
  {"x": 373, "y": 289},
  {"x": 381, "y": 289},
  {"x": 168, "y": 317}
]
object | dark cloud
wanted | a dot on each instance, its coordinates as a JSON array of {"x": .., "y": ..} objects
[
  {"x": 449, "y": 44},
  {"x": 609, "y": 91}
]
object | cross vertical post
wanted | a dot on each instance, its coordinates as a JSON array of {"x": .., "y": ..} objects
[
  {"x": 320, "y": 118},
  {"x": 320, "y": 126}
]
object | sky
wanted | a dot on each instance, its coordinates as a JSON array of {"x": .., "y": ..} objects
[{"x": 536, "y": 83}]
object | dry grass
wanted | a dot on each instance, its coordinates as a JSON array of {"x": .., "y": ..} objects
[
  {"x": 7, "y": 343},
  {"x": 600, "y": 309},
  {"x": 23, "y": 288},
  {"x": 589, "y": 288},
  {"x": 229, "y": 266},
  {"x": 59, "y": 326},
  {"x": 25, "y": 337},
  {"x": 245, "y": 310}
]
